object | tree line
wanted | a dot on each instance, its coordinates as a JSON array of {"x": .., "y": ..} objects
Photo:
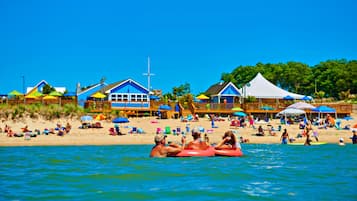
[{"x": 329, "y": 79}]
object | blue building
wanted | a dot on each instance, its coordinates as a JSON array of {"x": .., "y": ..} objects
[
  {"x": 225, "y": 92},
  {"x": 85, "y": 94},
  {"x": 127, "y": 94}
]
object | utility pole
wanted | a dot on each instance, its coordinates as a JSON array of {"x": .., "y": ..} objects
[
  {"x": 23, "y": 88},
  {"x": 148, "y": 74}
]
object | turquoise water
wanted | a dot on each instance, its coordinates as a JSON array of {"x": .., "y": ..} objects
[{"x": 266, "y": 172}]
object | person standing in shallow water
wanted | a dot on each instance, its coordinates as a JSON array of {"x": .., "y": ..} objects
[
  {"x": 308, "y": 140},
  {"x": 354, "y": 137},
  {"x": 284, "y": 137}
]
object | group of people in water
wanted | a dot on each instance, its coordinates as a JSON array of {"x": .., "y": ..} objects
[{"x": 229, "y": 142}]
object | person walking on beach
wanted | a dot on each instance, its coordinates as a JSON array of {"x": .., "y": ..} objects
[
  {"x": 284, "y": 137},
  {"x": 197, "y": 143},
  {"x": 161, "y": 150}
]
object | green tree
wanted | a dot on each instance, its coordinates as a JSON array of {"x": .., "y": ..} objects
[{"x": 47, "y": 89}]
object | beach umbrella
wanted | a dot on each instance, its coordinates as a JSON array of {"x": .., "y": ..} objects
[
  {"x": 202, "y": 97},
  {"x": 86, "y": 118},
  {"x": 120, "y": 120},
  {"x": 49, "y": 97},
  {"x": 55, "y": 93},
  {"x": 164, "y": 107},
  {"x": 347, "y": 118},
  {"x": 288, "y": 97},
  {"x": 36, "y": 93},
  {"x": 238, "y": 109},
  {"x": 239, "y": 114},
  {"x": 31, "y": 97},
  {"x": 15, "y": 93},
  {"x": 306, "y": 98},
  {"x": 324, "y": 109},
  {"x": 98, "y": 95},
  {"x": 100, "y": 117}
]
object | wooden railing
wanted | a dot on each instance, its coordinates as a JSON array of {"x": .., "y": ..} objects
[{"x": 200, "y": 108}]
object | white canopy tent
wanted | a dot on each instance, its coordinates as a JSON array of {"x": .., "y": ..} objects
[
  {"x": 291, "y": 112},
  {"x": 301, "y": 105},
  {"x": 260, "y": 87}
]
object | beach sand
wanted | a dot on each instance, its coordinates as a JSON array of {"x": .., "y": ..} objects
[{"x": 100, "y": 136}]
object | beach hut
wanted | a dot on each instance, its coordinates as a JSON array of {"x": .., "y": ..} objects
[{"x": 224, "y": 92}]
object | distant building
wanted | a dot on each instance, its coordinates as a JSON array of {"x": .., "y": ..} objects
[
  {"x": 126, "y": 94},
  {"x": 224, "y": 92},
  {"x": 39, "y": 87},
  {"x": 85, "y": 94}
]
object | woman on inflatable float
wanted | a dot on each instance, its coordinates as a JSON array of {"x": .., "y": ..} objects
[{"x": 229, "y": 146}]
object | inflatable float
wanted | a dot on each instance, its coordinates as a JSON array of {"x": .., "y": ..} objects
[
  {"x": 229, "y": 152},
  {"x": 200, "y": 153}
]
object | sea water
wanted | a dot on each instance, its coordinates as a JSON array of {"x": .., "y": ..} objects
[{"x": 265, "y": 172}]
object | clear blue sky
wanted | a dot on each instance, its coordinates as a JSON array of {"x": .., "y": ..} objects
[{"x": 69, "y": 41}]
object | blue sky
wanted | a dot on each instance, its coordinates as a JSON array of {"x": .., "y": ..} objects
[{"x": 68, "y": 41}]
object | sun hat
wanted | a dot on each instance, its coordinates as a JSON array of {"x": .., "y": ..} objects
[{"x": 159, "y": 137}]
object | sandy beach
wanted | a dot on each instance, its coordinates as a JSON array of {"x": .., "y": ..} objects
[{"x": 100, "y": 136}]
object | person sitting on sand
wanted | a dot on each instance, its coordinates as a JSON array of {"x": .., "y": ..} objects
[
  {"x": 61, "y": 132},
  {"x": 284, "y": 137},
  {"x": 25, "y": 129},
  {"x": 260, "y": 131},
  {"x": 10, "y": 133},
  {"x": 229, "y": 141},
  {"x": 161, "y": 150},
  {"x": 68, "y": 128},
  {"x": 6, "y": 129},
  {"x": 197, "y": 143}
]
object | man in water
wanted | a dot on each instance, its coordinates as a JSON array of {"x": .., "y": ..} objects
[
  {"x": 197, "y": 143},
  {"x": 161, "y": 150}
]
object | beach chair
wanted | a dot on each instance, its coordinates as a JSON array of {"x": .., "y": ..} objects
[
  {"x": 158, "y": 130},
  {"x": 167, "y": 130},
  {"x": 338, "y": 125}
]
